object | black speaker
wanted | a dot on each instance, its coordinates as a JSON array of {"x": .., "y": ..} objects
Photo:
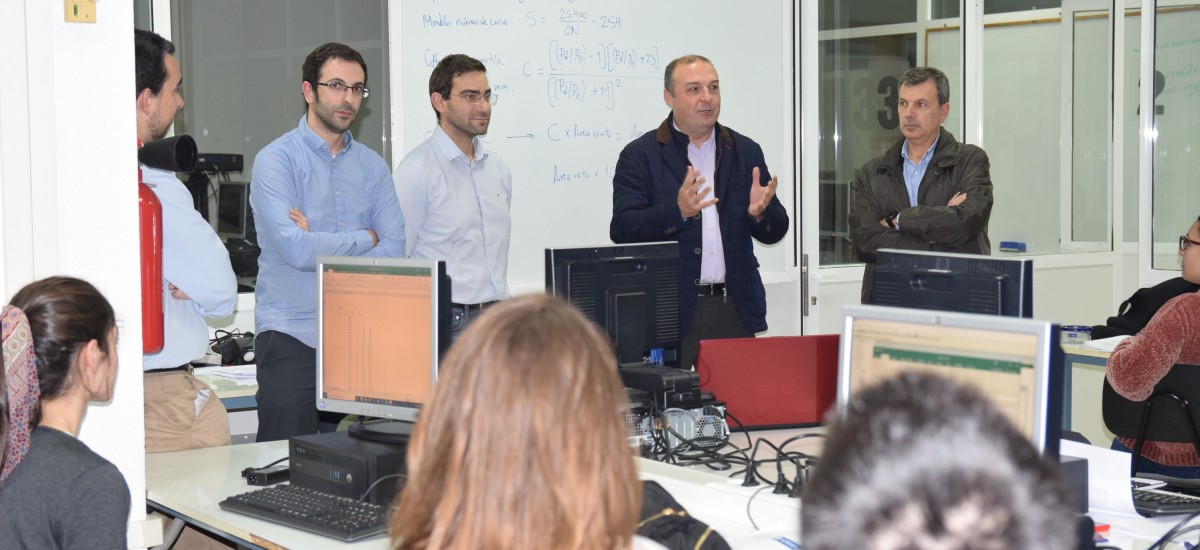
[{"x": 175, "y": 154}]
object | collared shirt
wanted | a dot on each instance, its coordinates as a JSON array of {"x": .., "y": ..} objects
[
  {"x": 704, "y": 160},
  {"x": 342, "y": 197},
  {"x": 457, "y": 210},
  {"x": 914, "y": 172},
  {"x": 197, "y": 263}
]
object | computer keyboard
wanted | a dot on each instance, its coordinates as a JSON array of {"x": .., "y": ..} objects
[
  {"x": 1157, "y": 502},
  {"x": 324, "y": 514}
]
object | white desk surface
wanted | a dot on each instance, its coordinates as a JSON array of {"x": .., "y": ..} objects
[{"x": 190, "y": 484}]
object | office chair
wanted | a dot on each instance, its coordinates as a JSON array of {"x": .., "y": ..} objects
[{"x": 1142, "y": 420}]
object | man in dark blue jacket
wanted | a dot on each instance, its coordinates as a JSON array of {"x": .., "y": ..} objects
[{"x": 706, "y": 186}]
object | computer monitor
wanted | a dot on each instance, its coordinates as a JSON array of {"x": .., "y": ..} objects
[
  {"x": 382, "y": 324},
  {"x": 1018, "y": 363},
  {"x": 943, "y": 281},
  {"x": 233, "y": 209},
  {"x": 631, "y": 291}
]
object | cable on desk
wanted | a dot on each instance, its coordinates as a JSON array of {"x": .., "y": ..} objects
[
  {"x": 1179, "y": 530},
  {"x": 269, "y": 465},
  {"x": 741, "y": 428},
  {"x": 700, "y": 444},
  {"x": 750, "y": 500},
  {"x": 373, "y": 485}
]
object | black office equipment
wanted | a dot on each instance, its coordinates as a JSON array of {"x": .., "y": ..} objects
[
  {"x": 204, "y": 165},
  {"x": 341, "y": 518},
  {"x": 346, "y": 466},
  {"x": 967, "y": 283},
  {"x": 1163, "y": 501},
  {"x": 631, "y": 291},
  {"x": 382, "y": 324},
  {"x": 233, "y": 209}
]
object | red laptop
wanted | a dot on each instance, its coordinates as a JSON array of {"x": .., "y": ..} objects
[{"x": 779, "y": 381}]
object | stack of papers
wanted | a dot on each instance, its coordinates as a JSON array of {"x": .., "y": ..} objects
[
  {"x": 244, "y": 375},
  {"x": 1105, "y": 344}
]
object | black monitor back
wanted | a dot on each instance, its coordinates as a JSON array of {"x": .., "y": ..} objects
[
  {"x": 631, "y": 291},
  {"x": 953, "y": 282}
]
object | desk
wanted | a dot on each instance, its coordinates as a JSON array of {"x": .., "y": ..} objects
[
  {"x": 235, "y": 396},
  {"x": 190, "y": 485},
  {"x": 1083, "y": 383}
]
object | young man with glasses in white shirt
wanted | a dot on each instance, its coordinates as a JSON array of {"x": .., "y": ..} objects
[{"x": 456, "y": 195}]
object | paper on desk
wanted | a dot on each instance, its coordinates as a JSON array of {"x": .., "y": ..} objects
[
  {"x": 1108, "y": 477},
  {"x": 241, "y": 375},
  {"x": 1105, "y": 344}
]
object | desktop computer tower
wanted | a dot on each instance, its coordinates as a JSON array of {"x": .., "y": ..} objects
[{"x": 339, "y": 464}]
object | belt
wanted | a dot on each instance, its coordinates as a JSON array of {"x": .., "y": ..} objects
[
  {"x": 181, "y": 368},
  {"x": 473, "y": 307},
  {"x": 711, "y": 289}
]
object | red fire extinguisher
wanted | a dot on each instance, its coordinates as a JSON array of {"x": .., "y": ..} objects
[
  {"x": 177, "y": 154},
  {"x": 150, "y": 220}
]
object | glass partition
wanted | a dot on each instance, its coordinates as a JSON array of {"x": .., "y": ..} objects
[
  {"x": 241, "y": 63},
  {"x": 1176, "y": 133}
]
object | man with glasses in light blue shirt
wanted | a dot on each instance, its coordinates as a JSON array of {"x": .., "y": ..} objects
[
  {"x": 315, "y": 192},
  {"x": 456, "y": 195}
]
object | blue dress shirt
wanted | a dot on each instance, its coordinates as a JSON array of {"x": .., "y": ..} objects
[
  {"x": 914, "y": 172},
  {"x": 458, "y": 211},
  {"x": 196, "y": 262},
  {"x": 342, "y": 197}
]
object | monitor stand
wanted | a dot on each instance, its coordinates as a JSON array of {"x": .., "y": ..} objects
[{"x": 382, "y": 431}]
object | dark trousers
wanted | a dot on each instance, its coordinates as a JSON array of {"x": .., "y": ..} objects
[
  {"x": 460, "y": 318},
  {"x": 287, "y": 389},
  {"x": 715, "y": 318}
]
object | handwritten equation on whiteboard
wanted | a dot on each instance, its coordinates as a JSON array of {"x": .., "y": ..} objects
[{"x": 572, "y": 81}]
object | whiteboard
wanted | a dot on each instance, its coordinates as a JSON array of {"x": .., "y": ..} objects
[{"x": 577, "y": 81}]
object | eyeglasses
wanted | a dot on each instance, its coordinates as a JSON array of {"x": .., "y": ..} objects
[
  {"x": 1184, "y": 242},
  {"x": 339, "y": 87},
  {"x": 475, "y": 98}
]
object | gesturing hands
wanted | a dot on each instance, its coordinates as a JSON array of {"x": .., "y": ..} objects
[
  {"x": 691, "y": 200},
  {"x": 760, "y": 195}
]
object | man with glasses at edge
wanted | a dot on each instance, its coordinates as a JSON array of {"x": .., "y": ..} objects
[
  {"x": 456, "y": 195},
  {"x": 315, "y": 192}
]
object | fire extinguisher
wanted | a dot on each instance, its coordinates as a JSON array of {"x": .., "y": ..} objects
[
  {"x": 150, "y": 218},
  {"x": 177, "y": 154}
]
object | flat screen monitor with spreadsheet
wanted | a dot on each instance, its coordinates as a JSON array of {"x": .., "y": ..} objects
[
  {"x": 382, "y": 324},
  {"x": 1016, "y": 362}
]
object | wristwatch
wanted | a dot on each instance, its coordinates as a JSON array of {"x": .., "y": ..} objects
[{"x": 891, "y": 219}]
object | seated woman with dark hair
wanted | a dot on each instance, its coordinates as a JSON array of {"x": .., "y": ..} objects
[
  {"x": 1141, "y": 361},
  {"x": 523, "y": 443},
  {"x": 919, "y": 462},
  {"x": 60, "y": 352}
]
